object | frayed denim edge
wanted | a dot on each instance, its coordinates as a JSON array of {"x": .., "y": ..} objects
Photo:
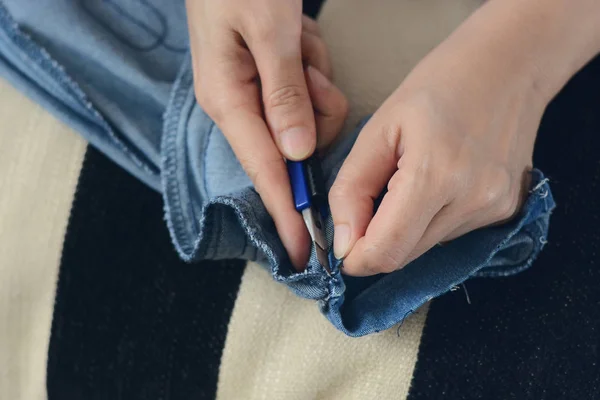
[
  {"x": 39, "y": 57},
  {"x": 191, "y": 251},
  {"x": 541, "y": 191}
]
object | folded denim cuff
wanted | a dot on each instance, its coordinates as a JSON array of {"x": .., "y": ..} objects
[
  {"x": 211, "y": 208},
  {"x": 213, "y": 212},
  {"x": 34, "y": 71}
]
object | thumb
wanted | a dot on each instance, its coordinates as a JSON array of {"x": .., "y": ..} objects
[
  {"x": 364, "y": 174},
  {"x": 287, "y": 104}
]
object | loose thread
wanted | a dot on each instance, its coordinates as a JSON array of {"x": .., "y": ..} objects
[{"x": 402, "y": 322}]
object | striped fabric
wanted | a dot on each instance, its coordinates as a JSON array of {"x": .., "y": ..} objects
[{"x": 94, "y": 303}]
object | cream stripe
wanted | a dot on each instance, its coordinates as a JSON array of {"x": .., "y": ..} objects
[
  {"x": 40, "y": 160},
  {"x": 279, "y": 346},
  {"x": 374, "y": 44}
]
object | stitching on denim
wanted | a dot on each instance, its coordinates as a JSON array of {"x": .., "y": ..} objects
[
  {"x": 48, "y": 65},
  {"x": 260, "y": 234},
  {"x": 241, "y": 208},
  {"x": 171, "y": 193},
  {"x": 246, "y": 208},
  {"x": 474, "y": 272},
  {"x": 255, "y": 234},
  {"x": 537, "y": 248}
]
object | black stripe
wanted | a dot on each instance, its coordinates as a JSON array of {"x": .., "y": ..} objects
[
  {"x": 536, "y": 335},
  {"x": 131, "y": 321},
  {"x": 312, "y": 7}
]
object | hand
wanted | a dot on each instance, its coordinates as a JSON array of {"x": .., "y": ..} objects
[
  {"x": 453, "y": 144},
  {"x": 236, "y": 43}
]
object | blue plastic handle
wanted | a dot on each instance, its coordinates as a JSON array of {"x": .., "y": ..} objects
[{"x": 296, "y": 171}]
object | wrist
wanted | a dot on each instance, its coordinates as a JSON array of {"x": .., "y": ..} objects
[{"x": 547, "y": 41}]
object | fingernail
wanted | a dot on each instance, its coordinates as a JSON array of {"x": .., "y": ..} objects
[
  {"x": 318, "y": 78},
  {"x": 341, "y": 239},
  {"x": 297, "y": 143}
]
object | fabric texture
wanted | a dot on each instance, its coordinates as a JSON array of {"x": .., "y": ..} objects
[
  {"x": 126, "y": 85},
  {"x": 40, "y": 160},
  {"x": 535, "y": 336},
  {"x": 290, "y": 352},
  {"x": 375, "y": 44},
  {"x": 131, "y": 320}
]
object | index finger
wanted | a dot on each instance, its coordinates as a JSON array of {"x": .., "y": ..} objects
[
  {"x": 398, "y": 225},
  {"x": 232, "y": 100},
  {"x": 363, "y": 176},
  {"x": 253, "y": 145}
]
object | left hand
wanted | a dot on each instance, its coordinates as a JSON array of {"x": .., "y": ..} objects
[
  {"x": 453, "y": 144},
  {"x": 249, "y": 60}
]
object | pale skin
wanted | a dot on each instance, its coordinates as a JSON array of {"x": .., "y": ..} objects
[{"x": 453, "y": 144}]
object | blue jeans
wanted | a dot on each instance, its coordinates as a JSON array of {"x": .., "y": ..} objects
[{"x": 119, "y": 72}]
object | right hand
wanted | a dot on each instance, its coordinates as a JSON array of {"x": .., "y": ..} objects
[{"x": 249, "y": 77}]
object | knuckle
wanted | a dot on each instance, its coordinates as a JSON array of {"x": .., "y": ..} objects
[
  {"x": 380, "y": 259},
  {"x": 506, "y": 210},
  {"x": 391, "y": 135},
  {"x": 455, "y": 164},
  {"x": 488, "y": 197},
  {"x": 287, "y": 97},
  {"x": 315, "y": 52},
  {"x": 318, "y": 46},
  {"x": 425, "y": 168},
  {"x": 338, "y": 112},
  {"x": 422, "y": 174},
  {"x": 507, "y": 207},
  {"x": 311, "y": 24},
  {"x": 266, "y": 33},
  {"x": 267, "y": 30},
  {"x": 263, "y": 31},
  {"x": 495, "y": 188},
  {"x": 338, "y": 192}
]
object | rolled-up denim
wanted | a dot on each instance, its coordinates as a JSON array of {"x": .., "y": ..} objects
[{"x": 119, "y": 72}]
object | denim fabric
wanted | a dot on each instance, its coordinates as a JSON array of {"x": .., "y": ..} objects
[{"x": 119, "y": 72}]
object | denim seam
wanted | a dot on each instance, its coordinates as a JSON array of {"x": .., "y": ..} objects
[
  {"x": 519, "y": 267},
  {"x": 479, "y": 266},
  {"x": 538, "y": 192},
  {"x": 259, "y": 233},
  {"x": 171, "y": 193},
  {"x": 258, "y": 239},
  {"x": 455, "y": 282},
  {"x": 27, "y": 47}
]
